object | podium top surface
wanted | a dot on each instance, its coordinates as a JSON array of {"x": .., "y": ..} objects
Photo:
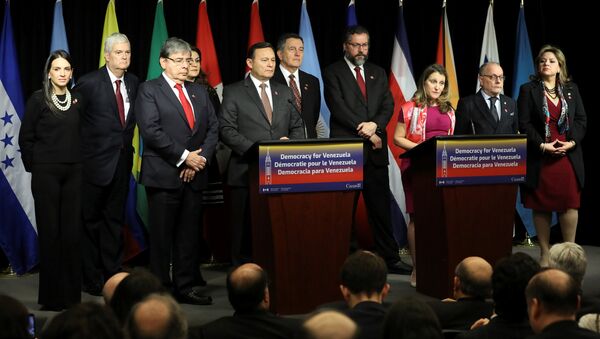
[{"x": 309, "y": 141}]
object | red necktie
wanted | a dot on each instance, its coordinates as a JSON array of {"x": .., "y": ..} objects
[
  {"x": 187, "y": 108},
  {"x": 296, "y": 92},
  {"x": 120, "y": 104},
  {"x": 361, "y": 82}
]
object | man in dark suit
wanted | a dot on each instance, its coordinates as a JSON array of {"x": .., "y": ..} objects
[
  {"x": 180, "y": 131},
  {"x": 472, "y": 284},
  {"x": 475, "y": 113},
  {"x": 106, "y": 135},
  {"x": 553, "y": 298},
  {"x": 253, "y": 109},
  {"x": 248, "y": 292},
  {"x": 361, "y": 106},
  {"x": 290, "y": 51}
]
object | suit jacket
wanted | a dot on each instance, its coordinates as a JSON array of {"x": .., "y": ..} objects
[
  {"x": 166, "y": 132},
  {"x": 473, "y": 114},
  {"x": 368, "y": 316},
  {"x": 243, "y": 121},
  {"x": 349, "y": 108},
  {"x": 565, "y": 329},
  {"x": 258, "y": 325},
  {"x": 532, "y": 122},
  {"x": 102, "y": 136},
  {"x": 499, "y": 328},
  {"x": 310, "y": 90},
  {"x": 461, "y": 314}
]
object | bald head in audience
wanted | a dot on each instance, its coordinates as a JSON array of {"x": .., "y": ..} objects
[
  {"x": 111, "y": 284},
  {"x": 473, "y": 278},
  {"x": 247, "y": 288},
  {"x": 329, "y": 325},
  {"x": 158, "y": 316}
]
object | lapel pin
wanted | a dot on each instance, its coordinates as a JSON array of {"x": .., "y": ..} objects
[
  {"x": 275, "y": 92},
  {"x": 371, "y": 77},
  {"x": 306, "y": 87},
  {"x": 193, "y": 96},
  {"x": 74, "y": 101}
]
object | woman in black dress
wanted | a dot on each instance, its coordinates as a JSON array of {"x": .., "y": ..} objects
[
  {"x": 49, "y": 141},
  {"x": 552, "y": 115}
]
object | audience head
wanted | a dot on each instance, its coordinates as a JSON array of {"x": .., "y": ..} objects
[
  {"x": 552, "y": 295},
  {"x": 509, "y": 280},
  {"x": 433, "y": 88},
  {"x": 261, "y": 61},
  {"x": 356, "y": 45},
  {"x": 411, "y": 318},
  {"x": 158, "y": 316},
  {"x": 364, "y": 273},
  {"x": 132, "y": 289},
  {"x": 473, "y": 278},
  {"x": 491, "y": 78},
  {"x": 13, "y": 318},
  {"x": 329, "y": 325},
  {"x": 290, "y": 51},
  {"x": 175, "y": 59},
  {"x": 117, "y": 53},
  {"x": 590, "y": 321},
  {"x": 569, "y": 257},
  {"x": 247, "y": 288},
  {"x": 111, "y": 284},
  {"x": 87, "y": 320}
]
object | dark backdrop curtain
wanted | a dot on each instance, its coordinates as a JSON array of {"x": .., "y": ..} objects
[{"x": 563, "y": 23}]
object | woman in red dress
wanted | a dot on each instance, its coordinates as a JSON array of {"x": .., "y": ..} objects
[{"x": 552, "y": 115}]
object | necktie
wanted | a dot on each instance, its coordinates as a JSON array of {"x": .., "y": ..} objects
[
  {"x": 120, "y": 103},
  {"x": 493, "y": 109},
  {"x": 265, "y": 100},
  {"x": 187, "y": 108},
  {"x": 361, "y": 82},
  {"x": 297, "y": 99}
]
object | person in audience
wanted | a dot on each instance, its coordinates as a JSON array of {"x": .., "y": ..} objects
[
  {"x": 364, "y": 286},
  {"x": 158, "y": 316},
  {"x": 132, "y": 289},
  {"x": 472, "y": 284},
  {"x": 411, "y": 318},
  {"x": 329, "y": 325},
  {"x": 552, "y": 115},
  {"x": 591, "y": 322},
  {"x": 428, "y": 114},
  {"x": 50, "y": 147},
  {"x": 111, "y": 284},
  {"x": 509, "y": 280},
  {"x": 248, "y": 292},
  {"x": 571, "y": 258},
  {"x": 14, "y": 319},
  {"x": 552, "y": 302},
  {"x": 87, "y": 320}
]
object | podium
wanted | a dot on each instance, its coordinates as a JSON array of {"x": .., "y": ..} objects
[
  {"x": 302, "y": 238},
  {"x": 464, "y": 203}
]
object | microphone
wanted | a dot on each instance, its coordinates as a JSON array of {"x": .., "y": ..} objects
[
  {"x": 291, "y": 101},
  {"x": 473, "y": 127}
]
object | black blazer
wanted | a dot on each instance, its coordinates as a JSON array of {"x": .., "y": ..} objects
[
  {"x": 565, "y": 329},
  {"x": 499, "y": 328},
  {"x": 532, "y": 122},
  {"x": 258, "y": 324},
  {"x": 473, "y": 116},
  {"x": 348, "y": 106},
  {"x": 166, "y": 132},
  {"x": 310, "y": 90},
  {"x": 461, "y": 314},
  {"x": 243, "y": 121},
  {"x": 102, "y": 136}
]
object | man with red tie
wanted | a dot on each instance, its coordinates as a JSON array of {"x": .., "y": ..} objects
[{"x": 180, "y": 130}]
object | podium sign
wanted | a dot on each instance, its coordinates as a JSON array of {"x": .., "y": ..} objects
[
  {"x": 480, "y": 162},
  {"x": 310, "y": 167}
]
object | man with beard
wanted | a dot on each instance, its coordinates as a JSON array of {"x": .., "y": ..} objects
[{"x": 361, "y": 105}]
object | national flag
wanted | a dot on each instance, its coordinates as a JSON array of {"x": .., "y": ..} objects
[
  {"x": 256, "y": 32},
  {"x": 159, "y": 36},
  {"x": 59, "y": 34},
  {"x": 18, "y": 231},
  {"x": 351, "y": 15},
  {"x": 403, "y": 87},
  {"x": 445, "y": 57},
  {"x": 204, "y": 41},
  {"x": 110, "y": 26},
  {"x": 311, "y": 65},
  {"x": 489, "y": 47}
]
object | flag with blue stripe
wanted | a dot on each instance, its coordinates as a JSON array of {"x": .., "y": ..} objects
[{"x": 59, "y": 34}]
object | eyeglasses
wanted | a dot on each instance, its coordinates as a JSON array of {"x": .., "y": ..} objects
[
  {"x": 180, "y": 61},
  {"x": 494, "y": 77},
  {"x": 357, "y": 46}
]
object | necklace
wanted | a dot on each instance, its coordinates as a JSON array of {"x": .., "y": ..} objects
[
  {"x": 551, "y": 92},
  {"x": 62, "y": 105}
]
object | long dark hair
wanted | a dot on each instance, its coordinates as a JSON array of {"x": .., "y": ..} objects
[
  {"x": 47, "y": 84},
  {"x": 201, "y": 78}
]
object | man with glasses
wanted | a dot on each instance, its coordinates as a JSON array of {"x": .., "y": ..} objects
[
  {"x": 358, "y": 96},
  {"x": 180, "y": 131},
  {"x": 488, "y": 111}
]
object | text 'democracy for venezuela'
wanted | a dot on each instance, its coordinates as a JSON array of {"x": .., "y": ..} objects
[{"x": 310, "y": 167}]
